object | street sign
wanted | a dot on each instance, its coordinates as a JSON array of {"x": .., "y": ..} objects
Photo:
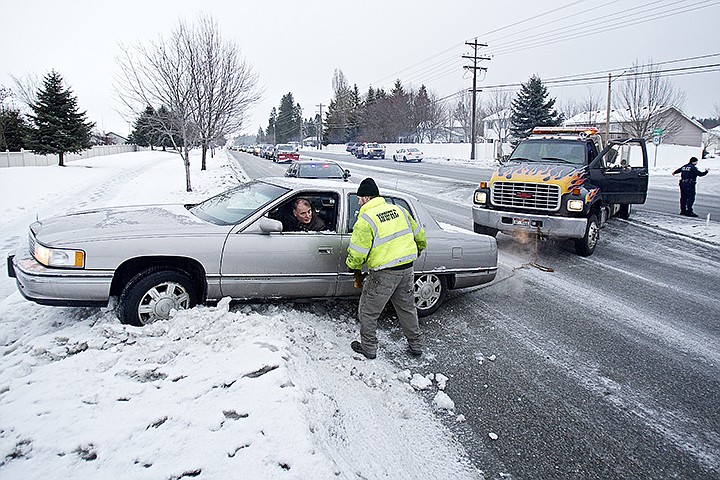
[
  {"x": 657, "y": 132},
  {"x": 656, "y": 140}
]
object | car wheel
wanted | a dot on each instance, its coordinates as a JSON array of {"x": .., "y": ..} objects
[
  {"x": 405, "y": 159},
  {"x": 586, "y": 246},
  {"x": 485, "y": 230},
  {"x": 394, "y": 158},
  {"x": 152, "y": 294},
  {"x": 430, "y": 291},
  {"x": 624, "y": 211}
]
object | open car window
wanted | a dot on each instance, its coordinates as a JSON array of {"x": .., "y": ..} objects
[
  {"x": 324, "y": 206},
  {"x": 354, "y": 208}
]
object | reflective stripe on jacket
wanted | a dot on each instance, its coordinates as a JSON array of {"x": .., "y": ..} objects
[{"x": 384, "y": 236}]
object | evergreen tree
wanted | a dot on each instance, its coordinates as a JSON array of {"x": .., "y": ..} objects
[
  {"x": 289, "y": 118},
  {"x": 531, "y": 108},
  {"x": 58, "y": 126},
  {"x": 144, "y": 133},
  {"x": 271, "y": 126},
  {"x": 13, "y": 130}
]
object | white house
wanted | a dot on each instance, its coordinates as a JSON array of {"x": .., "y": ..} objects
[{"x": 685, "y": 131}]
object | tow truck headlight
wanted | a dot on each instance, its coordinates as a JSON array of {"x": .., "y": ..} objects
[
  {"x": 58, "y": 257},
  {"x": 480, "y": 198},
  {"x": 575, "y": 205}
]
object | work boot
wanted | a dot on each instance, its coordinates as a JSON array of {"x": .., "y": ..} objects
[
  {"x": 414, "y": 351},
  {"x": 357, "y": 347},
  {"x": 691, "y": 214}
]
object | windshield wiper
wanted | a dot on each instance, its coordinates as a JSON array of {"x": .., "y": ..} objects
[
  {"x": 557, "y": 159},
  {"x": 520, "y": 159}
]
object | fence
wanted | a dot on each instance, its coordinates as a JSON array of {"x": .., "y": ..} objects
[
  {"x": 26, "y": 158},
  {"x": 483, "y": 151},
  {"x": 662, "y": 156}
]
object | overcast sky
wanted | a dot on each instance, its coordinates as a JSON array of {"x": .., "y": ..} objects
[{"x": 296, "y": 45}]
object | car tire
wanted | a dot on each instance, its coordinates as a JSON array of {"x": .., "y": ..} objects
[
  {"x": 405, "y": 159},
  {"x": 586, "y": 246},
  {"x": 485, "y": 230},
  {"x": 430, "y": 291},
  {"x": 151, "y": 294},
  {"x": 624, "y": 211},
  {"x": 394, "y": 158}
]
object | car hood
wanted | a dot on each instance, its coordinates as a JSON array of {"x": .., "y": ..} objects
[
  {"x": 565, "y": 176},
  {"x": 119, "y": 222}
]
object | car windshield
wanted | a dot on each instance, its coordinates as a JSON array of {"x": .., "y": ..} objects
[
  {"x": 321, "y": 170},
  {"x": 543, "y": 151},
  {"x": 373, "y": 145},
  {"x": 414, "y": 150},
  {"x": 235, "y": 205},
  {"x": 286, "y": 148}
]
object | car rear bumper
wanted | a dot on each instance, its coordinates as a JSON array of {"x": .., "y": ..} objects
[
  {"x": 513, "y": 222},
  {"x": 51, "y": 286}
]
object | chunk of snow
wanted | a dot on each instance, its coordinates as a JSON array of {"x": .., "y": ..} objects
[
  {"x": 419, "y": 382},
  {"x": 443, "y": 401}
]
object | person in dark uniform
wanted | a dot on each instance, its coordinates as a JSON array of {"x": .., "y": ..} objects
[{"x": 688, "y": 177}]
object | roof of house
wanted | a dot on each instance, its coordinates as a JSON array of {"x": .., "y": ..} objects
[{"x": 619, "y": 116}]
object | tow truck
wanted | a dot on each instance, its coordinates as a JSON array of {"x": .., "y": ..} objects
[{"x": 562, "y": 183}]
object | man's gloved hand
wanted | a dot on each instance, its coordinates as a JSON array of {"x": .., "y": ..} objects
[{"x": 358, "y": 278}]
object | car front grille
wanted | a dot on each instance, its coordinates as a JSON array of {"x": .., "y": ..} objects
[{"x": 535, "y": 196}]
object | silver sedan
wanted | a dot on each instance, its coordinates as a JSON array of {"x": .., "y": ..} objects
[{"x": 156, "y": 259}]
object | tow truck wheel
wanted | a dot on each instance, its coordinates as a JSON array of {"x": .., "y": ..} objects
[
  {"x": 624, "y": 211},
  {"x": 586, "y": 246}
]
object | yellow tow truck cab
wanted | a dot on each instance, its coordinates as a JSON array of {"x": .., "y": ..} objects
[{"x": 562, "y": 183}]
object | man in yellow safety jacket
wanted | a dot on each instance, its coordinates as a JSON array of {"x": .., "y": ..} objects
[{"x": 388, "y": 240}]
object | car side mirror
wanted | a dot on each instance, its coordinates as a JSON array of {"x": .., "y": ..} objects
[
  {"x": 347, "y": 174},
  {"x": 268, "y": 225}
]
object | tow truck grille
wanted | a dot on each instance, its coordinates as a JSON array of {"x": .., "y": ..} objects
[{"x": 536, "y": 196}]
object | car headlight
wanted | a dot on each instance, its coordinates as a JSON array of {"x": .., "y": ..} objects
[
  {"x": 480, "y": 198},
  {"x": 575, "y": 205},
  {"x": 58, "y": 257}
]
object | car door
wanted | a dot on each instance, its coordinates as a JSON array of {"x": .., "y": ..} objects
[
  {"x": 345, "y": 280},
  {"x": 621, "y": 172},
  {"x": 279, "y": 264}
]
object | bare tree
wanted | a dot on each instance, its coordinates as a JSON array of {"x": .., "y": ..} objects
[
  {"x": 199, "y": 82},
  {"x": 27, "y": 87},
  {"x": 462, "y": 114},
  {"x": 224, "y": 86},
  {"x": 644, "y": 100},
  {"x": 159, "y": 75},
  {"x": 428, "y": 115},
  {"x": 498, "y": 109}
]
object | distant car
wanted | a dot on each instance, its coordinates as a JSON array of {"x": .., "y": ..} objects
[
  {"x": 408, "y": 155},
  {"x": 156, "y": 259},
  {"x": 352, "y": 147},
  {"x": 317, "y": 169},
  {"x": 285, "y": 153},
  {"x": 267, "y": 151}
]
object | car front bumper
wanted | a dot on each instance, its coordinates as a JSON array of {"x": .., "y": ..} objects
[
  {"x": 59, "y": 287},
  {"x": 514, "y": 223}
]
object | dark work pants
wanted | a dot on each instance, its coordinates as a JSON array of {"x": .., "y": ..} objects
[
  {"x": 381, "y": 286},
  {"x": 687, "y": 196}
]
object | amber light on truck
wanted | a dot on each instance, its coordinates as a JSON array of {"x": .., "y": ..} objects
[{"x": 56, "y": 257}]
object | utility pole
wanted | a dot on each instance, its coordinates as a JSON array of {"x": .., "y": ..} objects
[
  {"x": 474, "y": 67},
  {"x": 319, "y": 132},
  {"x": 607, "y": 110}
]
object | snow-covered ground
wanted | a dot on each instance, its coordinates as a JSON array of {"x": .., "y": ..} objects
[{"x": 254, "y": 391}]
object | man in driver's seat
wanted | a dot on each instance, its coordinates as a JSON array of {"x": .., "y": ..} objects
[{"x": 304, "y": 218}]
